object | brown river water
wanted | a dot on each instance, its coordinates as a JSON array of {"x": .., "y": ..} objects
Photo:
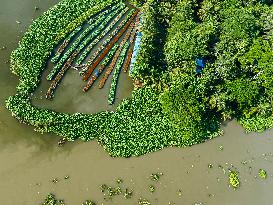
[{"x": 29, "y": 161}]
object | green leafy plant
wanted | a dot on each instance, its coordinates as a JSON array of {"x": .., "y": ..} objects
[
  {"x": 51, "y": 200},
  {"x": 234, "y": 179},
  {"x": 262, "y": 174}
]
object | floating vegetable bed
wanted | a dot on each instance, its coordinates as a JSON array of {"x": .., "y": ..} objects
[
  {"x": 60, "y": 50},
  {"x": 60, "y": 75},
  {"x": 112, "y": 93},
  {"x": 107, "y": 41},
  {"x": 81, "y": 41},
  {"x": 137, "y": 45},
  {"x": 110, "y": 45},
  {"x": 103, "y": 65},
  {"x": 74, "y": 32},
  {"x": 117, "y": 55},
  {"x": 91, "y": 46},
  {"x": 132, "y": 41}
]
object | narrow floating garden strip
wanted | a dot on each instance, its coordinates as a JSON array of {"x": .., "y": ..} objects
[
  {"x": 93, "y": 10},
  {"x": 112, "y": 92},
  {"x": 102, "y": 35},
  {"x": 92, "y": 20},
  {"x": 114, "y": 61},
  {"x": 64, "y": 45},
  {"x": 110, "y": 9},
  {"x": 95, "y": 36},
  {"x": 128, "y": 60},
  {"x": 101, "y": 22},
  {"x": 130, "y": 51},
  {"x": 103, "y": 65},
  {"x": 111, "y": 44},
  {"x": 106, "y": 42},
  {"x": 137, "y": 45},
  {"x": 58, "y": 78},
  {"x": 136, "y": 28}
]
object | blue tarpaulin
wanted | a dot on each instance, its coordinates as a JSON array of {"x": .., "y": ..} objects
[
  {"x": 200, "y": 65},
  {"x": 200, "y": 62},
  {"x": 136, "y": 46},
  {"x": 97, "y": 73}
]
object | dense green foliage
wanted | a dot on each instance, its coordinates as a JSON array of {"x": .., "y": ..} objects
[
  {"x": 150, "y": 62},
  {"x": 174, "y": 107},
  {"x": 88, "y": 202},
  {"x": 236, "y": 39}
]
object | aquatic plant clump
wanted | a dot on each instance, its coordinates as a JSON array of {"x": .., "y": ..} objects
[
  {"x": 143, "y": 202},
  {"x": 151, "y": 188},
  {"x": 51, "y": 200},
  {"x": 88, "y": 202},
  {"x": 262, "y": 174},
  {"x": 234, "y": 179},
  {"x": 156, "y": 177}
]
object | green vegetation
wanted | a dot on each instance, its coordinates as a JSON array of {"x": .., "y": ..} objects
[
  {"x": 88, "y": 202},
  {"x": 234, "y": 179},
  {"x": 108, "y": 40},
  {"x": 156, "y": 177},
  {"x": 151, "y": 188},
  {"x": 233, "y": 84},
  {"x": 175, "y": 106},
  {"x": 110, "y": 192},
  {"x": 105, "y": 31},
  {"x": 112, "y": 92},
  {"x": 51, "y": 200},
  {"x": 143, "y": 202},
  {"x": 57, "y": 55},
  {"x": 262, "y": 174}
]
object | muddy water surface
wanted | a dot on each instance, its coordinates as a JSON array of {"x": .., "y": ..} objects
[{"x": 29, "y": 161}]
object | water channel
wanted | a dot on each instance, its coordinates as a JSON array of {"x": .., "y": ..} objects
[{"x": 29, "y": 161}]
